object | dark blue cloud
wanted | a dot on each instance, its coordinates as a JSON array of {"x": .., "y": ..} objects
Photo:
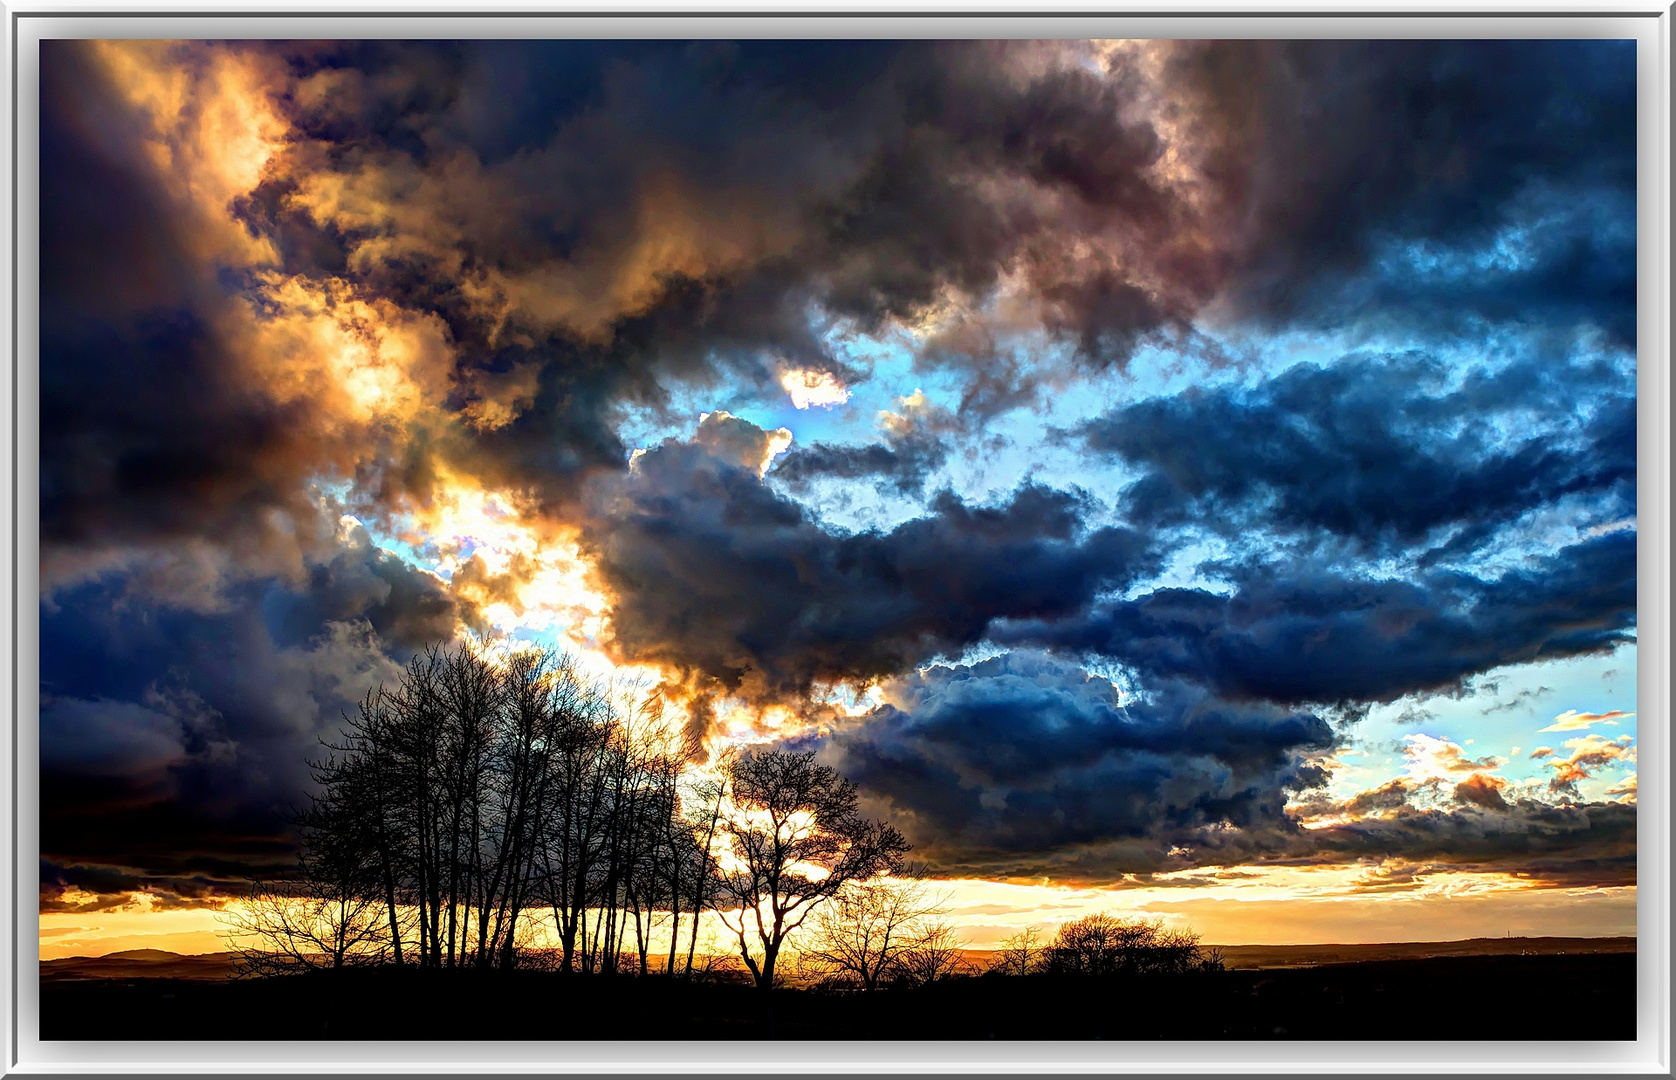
[
  {"x": 1026, "y": 766},
  {"x": 1389, "y": 452},
  {"x": 917, "y": 442},
  {"x": 899, "y": 463},
  {"x": 176, "y": 740},
  {"x": 1015, "y": 763},
  {"x": 1577, "y": 844},
  {"x": 1337, "y": 152},
  {"x": 1563, "y": 261},
  {"x": 1295, "y": 634},
  {"x": 713, "y": 572}
]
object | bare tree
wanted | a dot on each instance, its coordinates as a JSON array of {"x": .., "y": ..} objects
[
  {"x": 515, "y": 801},
  {"x": 574, "y": 847},
  {"x": 1020, "y": 954},
  {"x": 709, "y": 796},
  {"x": 935, "y": 954},
  {"x": 282, "y": 927},
  {"x": 1106, "y": 945},
  {"x": 863, "y": 930},
  {"x": 795, "y": 837},
  {"x": 336, "y": 910},
  {"x": 351, "y": 842}
]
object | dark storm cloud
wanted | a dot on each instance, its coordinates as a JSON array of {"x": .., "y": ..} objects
[
  {"x": 1027, "y": 766},
  {"x": 711, "y": 571},
  {"x": 1333, "y": 154},
  {"x": 162, "y": 844},
  {"x": 1384, "y": 451},
  {"x": 406, "y": 608},
  {"x": 112, "y": 888},
  {"x": 902, "y": 467},
  {"x": 168, "y": 449},
  {"x": 176, "y": 741},
  {"x": 916, "y": 444},
  {"x": 1017, "y": 761},
  {"x": 1297, "y": 634},
  {"x": 672, "y": 210},
  {"x": 918, "y": 220},
  {"x": 590, "y": 227},
  {"x": 1576, "y": 844},
  {"x": 175, "y": 447},
  {"x": 146, "y": 431}
]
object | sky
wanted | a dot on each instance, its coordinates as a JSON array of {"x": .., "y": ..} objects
[{"x": 1192, "y": 479}]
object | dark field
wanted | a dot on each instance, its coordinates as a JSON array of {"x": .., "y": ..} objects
[{"x": 1506, "y": 997}]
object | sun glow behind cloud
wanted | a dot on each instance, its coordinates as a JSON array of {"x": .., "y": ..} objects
[{"x": 813, "y": 389}]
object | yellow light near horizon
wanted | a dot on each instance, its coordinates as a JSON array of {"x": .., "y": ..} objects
[
  {"x": 1280, "y": 906},
  {"x": 182, "y": 930}
]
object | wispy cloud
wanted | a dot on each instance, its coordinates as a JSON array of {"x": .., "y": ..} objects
[{"x": 1572, "y": 720}]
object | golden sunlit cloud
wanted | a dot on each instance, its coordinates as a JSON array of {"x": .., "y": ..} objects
[
  {"x": 727, "y": 438},
  {"x": 813, "y": 389},
  {"x": 1572, "y": 720},
  {"x": 1625, "y": 789},
  {"x": 1427, "y": 758},
  {"x": 520, "y": 572},
  {"x": 213, "y": 132}
]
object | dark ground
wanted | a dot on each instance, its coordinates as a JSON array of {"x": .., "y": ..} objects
[{"x": 1455, "y": 997}]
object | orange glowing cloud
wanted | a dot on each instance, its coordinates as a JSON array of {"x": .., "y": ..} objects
[
  {"x": 212, "y": 131},
  {"x": 1587, "y": 754}
]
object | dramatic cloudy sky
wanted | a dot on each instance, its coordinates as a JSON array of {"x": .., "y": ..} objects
[{"x": 1190, "y": 477}]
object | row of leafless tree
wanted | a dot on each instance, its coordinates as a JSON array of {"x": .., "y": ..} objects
[{"x": 479, "y": 791}]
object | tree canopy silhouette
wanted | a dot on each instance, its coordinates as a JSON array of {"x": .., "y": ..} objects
[
  {"x": 473, "y": 792},
  {"x": 795, "y": 838},
  {"x": 1105, "y": 945}
]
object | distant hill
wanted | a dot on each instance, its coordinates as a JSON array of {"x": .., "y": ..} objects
[
  {"x": 1287, "y": 956},
  {"x": 139, "y": 964},
  {"x": 1248, "y": 957},
  {"x": 160, "y": 964}
]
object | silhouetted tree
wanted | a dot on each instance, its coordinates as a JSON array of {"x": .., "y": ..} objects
[
  {"x": 867, "y": 927},
  {"x": 479, "y": 787},
  {"x": 1106, "y": 945},
  {"x": 575, "y": 843},
  {"x": 1020, "y": 954},
  {"x": 709, "y": 795},
  {"x": 795, "y": 838},
  {"x": 286, "y": 926},
  {"x": 934, "y": 954}
]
